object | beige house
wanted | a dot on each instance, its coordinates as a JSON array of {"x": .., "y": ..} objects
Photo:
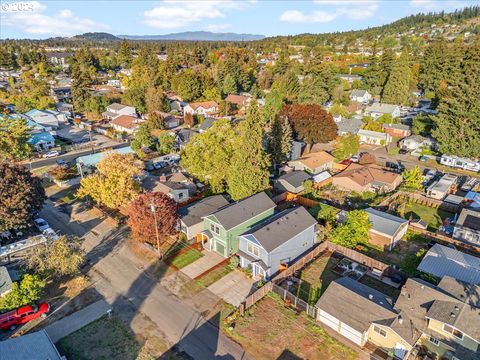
[
  {"x": 205, "y": 108},
  {"x": 314, "y": 162},
  {"x": 126, "y": 123},
  {"x": 361, "y": 178}
]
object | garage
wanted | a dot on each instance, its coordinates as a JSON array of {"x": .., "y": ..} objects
[{"x": 342, "y": 328}]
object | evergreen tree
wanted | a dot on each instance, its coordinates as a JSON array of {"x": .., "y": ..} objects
[
  {"x": 457, "y": 128},
  {"x": 248, "y": 171},
  {"x": 387, "y": 60},
  {"x": 229, "y": 85},
  {"x": 125, "y": 54},
  {"x": 280, "y": 140},
  {"x": 14, "y": 136},
  {"x": 397, "y": 88}
]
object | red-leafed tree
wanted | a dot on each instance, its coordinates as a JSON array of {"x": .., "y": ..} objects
[
  {"x": 188, "y": 119},
  {"x": 311, "y": 123},
  {"x": 141, "y": 219},
  {"x": 367, "y": 158}
]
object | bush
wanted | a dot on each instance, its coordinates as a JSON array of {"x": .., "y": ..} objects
[
  {"x": 61, "y": 173},
  {"x": 234, "y": 262}
]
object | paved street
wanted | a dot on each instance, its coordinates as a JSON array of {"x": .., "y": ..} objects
[{"x": 121, "y": 279}]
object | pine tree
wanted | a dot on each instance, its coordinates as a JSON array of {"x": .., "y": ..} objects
[
  {"x": 387, "y": 60},
  {"x": 125, "y": 53},
  {"x": 457, "y": 128},
  {"x": 397, "y": 88},
  {"x": 280, "y": 140},
  {"x": 229, "y": 85},
  {"x": 248, "y": 172}
]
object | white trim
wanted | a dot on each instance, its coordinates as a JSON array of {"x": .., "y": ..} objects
[
  {"x": 375, "y": 327},
  {"x": 434, "y": 340},
  {"x": 453, "y": 328}
]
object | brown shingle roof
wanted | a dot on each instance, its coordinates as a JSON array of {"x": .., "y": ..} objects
[
  {"x": 126, "y": 121},
  {"x": 315, "y": 159},
  {"x": 366, "y": 174},
  {"x": 204, "y": 104},
  {"x": 238, "y": 100}
]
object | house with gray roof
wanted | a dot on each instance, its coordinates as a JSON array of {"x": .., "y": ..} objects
[
  {"x": 349, "y": 126},
  {"x": 361, "y": 96},
  {"x": 6, "y": 280},
  {"x": 291, "y": 182},
  {"x": 36, "y": 345},
  {"x": 377, "y": 109},
  {"x": 416, "y": 143},
  {"x": 373, "y": 137},
  {"x": 222, "y": 228},
  {"x": 387, "y": 229},
  {"x": 442, "y": 261},
  {"x": 467, "y": 227},
  {"x": 191, "y": 216},
  {"x": 277, "y": 241}
]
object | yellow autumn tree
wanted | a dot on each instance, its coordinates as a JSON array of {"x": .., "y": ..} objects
[{"x": 113, "y": 184}]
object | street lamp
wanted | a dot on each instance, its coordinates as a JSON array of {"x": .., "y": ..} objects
[{"x": 152, "y": 208}]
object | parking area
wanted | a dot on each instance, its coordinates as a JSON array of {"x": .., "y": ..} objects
[
  {"x": 77, "y": 135},
  {"x": 233, "y": 287}
]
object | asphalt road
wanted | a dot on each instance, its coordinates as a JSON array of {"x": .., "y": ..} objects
[
  {"x": 120, "y": 280},
  {"x": 70, "y": 156}
]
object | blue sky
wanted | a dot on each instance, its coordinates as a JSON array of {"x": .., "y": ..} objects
[{"x": 42, "y": 19}]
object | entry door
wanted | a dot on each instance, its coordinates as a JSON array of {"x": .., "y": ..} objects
[
  {"x": 220, "y": 248},
  {"x": 400, "y": 350}
]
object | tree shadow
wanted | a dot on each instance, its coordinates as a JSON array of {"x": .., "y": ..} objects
[{"x": 288, "y": 355}]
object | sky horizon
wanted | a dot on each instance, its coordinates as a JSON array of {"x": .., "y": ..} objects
[{"x": 44, "y": 19}]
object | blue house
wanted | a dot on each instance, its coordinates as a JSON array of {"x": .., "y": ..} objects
[
  {"x": 87, "y": 163},
  {"x": 277, "y": 241},
  {"x": 42, "y": 141}
]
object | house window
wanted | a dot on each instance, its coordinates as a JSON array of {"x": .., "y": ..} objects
[
  {"x": 212, "y": 227},
  {"x": 180, "y": 195},
  {"x": 434, "y": 341},
  {"x": 379, "y": 331},
  {"x": 458, "y": 334},
  {"x": 252, "y": 249},
  {"x": 217, "y": 230}
]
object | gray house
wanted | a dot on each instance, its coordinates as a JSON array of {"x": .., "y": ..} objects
[
  {"x": 467, "y": 227},
  {"x": 191, "y": 216},
  {"x": 291, "y": 182},
  {"x": 277, "y": 241}
]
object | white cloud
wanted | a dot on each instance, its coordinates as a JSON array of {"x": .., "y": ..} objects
[
  {"x": 36, "y": 22},
  {"x": 295, "y": 16},
  {"x": 217, "y": 27},
  {"x": 432, "y": 5},
  {"x": 350, "y": 9},
  {"x": 174, "y": 14}
]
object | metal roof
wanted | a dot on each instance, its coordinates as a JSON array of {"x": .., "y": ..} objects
[
  {"x": 441, "y": 261},
  {"x": 383, "y": 222},
  {"x": 192, "y": 214},
  {"x": 94, "y": 159}
]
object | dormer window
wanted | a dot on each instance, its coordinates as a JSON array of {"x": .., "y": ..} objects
[
  {"x": 451, "y": 330},
  {"x": 252, "y": 249}
]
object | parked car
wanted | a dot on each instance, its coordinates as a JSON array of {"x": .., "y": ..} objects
[
  {"x": 469, "y": 184},
  {"x": 51, "y": 154},
  {"x": 41, "y": 224},
  {"x": 150, "y": 167},
  {"x": 159, "y": 165},
  {"x": 396, "y": 167},
  {"x": 403, "y": 151},
  {"x": 11, "y": 319},
  {"x": 423, "y": 158},
  {"x": 61, "y": 162},
  {"x": 355, "y": 158}
]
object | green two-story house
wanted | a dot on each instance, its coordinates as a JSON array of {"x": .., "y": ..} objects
[{"x": 222, "y": 228}]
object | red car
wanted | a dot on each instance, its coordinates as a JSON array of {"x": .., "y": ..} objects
[{"x": 20, "y": 316}]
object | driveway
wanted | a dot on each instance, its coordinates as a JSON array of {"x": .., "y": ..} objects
[
  {"x": 233, "y": 288},
  {"x": 206, "y": 262}
]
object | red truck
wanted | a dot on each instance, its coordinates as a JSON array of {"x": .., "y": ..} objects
[{"x": 11, "y": 319}]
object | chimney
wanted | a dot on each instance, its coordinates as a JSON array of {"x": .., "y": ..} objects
[{"x": 163, "y": 178}]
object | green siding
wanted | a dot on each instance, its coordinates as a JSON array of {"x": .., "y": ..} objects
[{"x": 230, "y": 237}]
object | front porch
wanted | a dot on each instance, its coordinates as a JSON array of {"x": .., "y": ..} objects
[
  {"x": 211, "y": 243},
  {"x": 258, "y": 268}
]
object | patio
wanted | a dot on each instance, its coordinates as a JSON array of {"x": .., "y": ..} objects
[{"x": 206, "y": 262}]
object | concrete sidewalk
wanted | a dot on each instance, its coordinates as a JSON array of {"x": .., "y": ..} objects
[
  {"x": 233, "y": 288},
  {"x": 206, "y": 262},
  {"x": 77, "y": 320}
]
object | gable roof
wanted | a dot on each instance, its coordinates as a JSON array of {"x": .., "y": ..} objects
[
  {"x": 383, "y": 222},
  {"x": 468, "y": 293},
  {"x": 280, "y": 228},
  {"x": 185, "y": 134},
  {"x": 355, "y": 304},
  {"x": 116, "y": 106},
  {"x": 36, "y": 345},
  {"x": 192, "y": 214},
  {"x": 41, "y": 137},
  {"x": 207, "y": 123},
  {"x": 358, "y": 93},
  {"x": 126, "y": 121},
  {"x": 366, "y": 174},
  {"x": 381, "y": 108},
  {"x": 370, "y": 133},
  {"x": 350, "y": 125},
  {"x": 238, "y": 100},
  {"x": 295, "y": 178},
  {"x": 315, "y": 159},
  {"x": 396, "y": 126},
  {"x": 237, "y": 213},
  {"x": 204, "y": 104},
  {"x": 441, "y": 260}
]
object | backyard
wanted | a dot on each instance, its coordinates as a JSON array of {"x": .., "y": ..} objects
[
  {"x": 105, "y": 338},
  {"x": 432, "y": 216},
  {"x": 272, "y": 331}
]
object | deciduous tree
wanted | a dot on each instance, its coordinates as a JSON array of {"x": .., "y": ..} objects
[
  {"x": 22, "y": 195},
  {"x": 166, "y": 143},
  {"x": 345, "y": 146},
  {"x": 25, "y": 292},
  {"x": 14, "y": 136},
  {"x": 353, "y": 231},
  {"x": 142, "y": 221},
  {"x": 412, "y": 179}
]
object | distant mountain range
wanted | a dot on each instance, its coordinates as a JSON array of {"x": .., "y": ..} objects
[{"x": 183, "y": 36}]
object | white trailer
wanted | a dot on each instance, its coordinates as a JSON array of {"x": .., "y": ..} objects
[{"x": 462, "y": 163}]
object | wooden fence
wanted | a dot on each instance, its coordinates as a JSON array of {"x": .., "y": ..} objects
[
  {"x": 419, "y": 199},
  {"x": 308, "y": 257},
  {"x": 295, "y": 301}
]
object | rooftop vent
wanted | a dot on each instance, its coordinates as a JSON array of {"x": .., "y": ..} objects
[
  {"x": 370, "y": 296},
  {"x": 452, "y": 314},
  {"x": 400, "y": 320}
]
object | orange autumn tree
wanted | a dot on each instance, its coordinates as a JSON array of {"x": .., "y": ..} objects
[{"x": 142, "y": 221}]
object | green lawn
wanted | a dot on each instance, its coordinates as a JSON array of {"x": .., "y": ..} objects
[
  {"x": 316, "y": 277},
  {"x": 380, "y": 286},
  {"x": 186, "y": 258},
  {"x": 214, "y": 275},
  {"x": 434, "y": 217}
]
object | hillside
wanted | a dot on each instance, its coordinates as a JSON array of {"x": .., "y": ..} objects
[
  {"x": 196, "y": 36},
  {"x": 95, "y": 36}
]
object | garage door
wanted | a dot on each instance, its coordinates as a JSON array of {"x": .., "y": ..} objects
[
  {"x": 351, "y": 334},
  {"x": 329, "y": 320},
  {"x": 220, "y": 248}
]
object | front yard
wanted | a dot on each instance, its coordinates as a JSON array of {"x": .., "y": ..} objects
[
  {"x": 272, "y": 331},
  {"x": 102, "y": 339}
]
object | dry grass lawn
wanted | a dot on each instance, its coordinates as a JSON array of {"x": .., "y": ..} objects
[{"x": 272, "y": 331}]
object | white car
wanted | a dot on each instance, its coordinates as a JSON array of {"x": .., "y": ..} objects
[
  {"x": 355, "y": 158},
  {"x": 51, "y": 154},
  {"x": 41, "y": 224}
]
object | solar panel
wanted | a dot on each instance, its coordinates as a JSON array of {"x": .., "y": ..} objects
[{"x": 472, "y": 222}]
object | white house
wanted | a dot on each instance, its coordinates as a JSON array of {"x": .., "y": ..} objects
[
  {"x": 48, "y": 118},
  {"x": 377, "y": 109},
  {"x": 417, "y": 142},
  {"x": 126, "y": 123},
  {"x": 361, "y": 96},
  {"x": 373, "y": 137},
  {"x": 205, "y": 108},
  {"x": 115, "y": 109},
  {"x": 442, "y": 187}
]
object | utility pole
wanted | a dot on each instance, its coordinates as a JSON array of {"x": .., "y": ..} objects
[{"x": 153, "y": 209}]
